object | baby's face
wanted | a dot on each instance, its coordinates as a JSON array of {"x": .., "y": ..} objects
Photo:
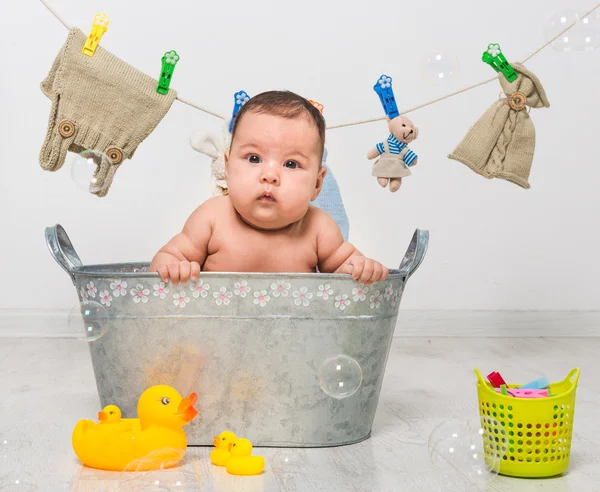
[{"x": 273, "y": 169}]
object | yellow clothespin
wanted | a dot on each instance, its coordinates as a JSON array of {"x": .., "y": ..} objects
[{"x": 99, "y": 27}]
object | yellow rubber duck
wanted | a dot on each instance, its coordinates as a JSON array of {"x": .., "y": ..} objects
[
  {"x": 241, "y": 463},
  {"x": 158, "y": 432},
  {"x": 110, "y": 414},
  {"x": 221, "y": 454}
]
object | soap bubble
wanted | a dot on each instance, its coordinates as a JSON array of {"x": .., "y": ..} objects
[
  {"x": 83, "y": 167},
  {"x": 471, "y": 449},
  {"x": 588, "y": 32},
  {"x": 159, "y": 459},
  {"x": 17, "y": 482},
  {"x": 440, "y": 67},
  {"x": 288, "y": 461},
  {"x": 583, "y": 36},
  {"x": 173, "y": 480},
  {"x": 340, "y": 376},
  {"x": 88, "y": 320},
  {"x": 15, "y": 447}
]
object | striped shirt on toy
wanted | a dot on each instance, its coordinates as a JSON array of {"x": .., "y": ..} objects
[{"x": 395, "y": 148}]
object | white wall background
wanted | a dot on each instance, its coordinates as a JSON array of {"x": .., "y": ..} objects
[{"x": 493, "y": 245}]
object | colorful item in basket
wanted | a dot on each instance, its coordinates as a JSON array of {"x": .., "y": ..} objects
[
  {"x": 495, "y": 379},
  {"x": 541, "y": 383},
  {"x": 158, "y": 430},
  {"x": 524, "y": 393}
]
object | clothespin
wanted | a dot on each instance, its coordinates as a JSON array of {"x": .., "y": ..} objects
[
  {"x": 494, "y": 57},
  {"x": 99, "y": 27},
  {"x": 169, "y": 60},
  {"x": 383, "y": 87},
  {"x": 495, "y": 379},
  {"x": 503, "y": 390},
  {"x": 240, "y": 98},
  {"x": 317, "y": 105}
]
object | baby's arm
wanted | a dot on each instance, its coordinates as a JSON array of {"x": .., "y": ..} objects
[
  {"x": 338, "y": 256},
  {"x": 181, "y": 258}
]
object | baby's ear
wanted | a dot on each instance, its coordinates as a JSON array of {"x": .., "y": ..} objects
[{"x": 319, "y": 184}]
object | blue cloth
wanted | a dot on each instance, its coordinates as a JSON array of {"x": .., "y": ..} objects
[
  {"x": 330, "y": 200},
  {"x": 395, "y": 148}
]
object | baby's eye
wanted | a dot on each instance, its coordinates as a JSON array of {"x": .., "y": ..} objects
[
  {"x": 254, "y": 159},
  {"x": 291, "y": 164},
  {"x": 403, "y": 124}
]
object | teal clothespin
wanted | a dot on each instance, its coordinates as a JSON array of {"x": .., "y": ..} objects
[
  {"x": 494, "y": 57},
  {"x": 169, "y": 60}
]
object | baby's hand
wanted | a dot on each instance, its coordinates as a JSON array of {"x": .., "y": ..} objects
[
  {"x": 364, "y": 270},
  {"x": 177, "y": 271}
]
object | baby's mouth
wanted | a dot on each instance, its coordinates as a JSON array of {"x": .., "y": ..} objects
[{"x": 266, "y": 197}]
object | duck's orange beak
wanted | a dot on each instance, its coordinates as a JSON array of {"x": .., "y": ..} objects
[
  {"x": 229, "y": 446},
  {"x": 102, "y": 417},
  {"x": 216, "y": 441},
  {"x": 186, "y": 409}
]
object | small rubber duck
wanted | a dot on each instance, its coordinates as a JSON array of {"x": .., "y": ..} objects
[
  {"x": 220, "y": 456},
  {"x": 110, "y": 414},
  {"x": 241, "y": 463},
  {"x": 162, "y": 414}
]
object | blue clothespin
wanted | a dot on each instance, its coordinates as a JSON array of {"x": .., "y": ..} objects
[
  {"x": 240, "y": 98},
  {"x": 541, "y": 383},
  {"x": 494, "y": 57},
  {"x": 383, "y": 87}
]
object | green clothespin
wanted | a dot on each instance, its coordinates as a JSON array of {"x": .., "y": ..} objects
[
  {"x": 503, "y": 390},
  {"x": 168, "y": 65},
  {"x": 494, "y": 57}
]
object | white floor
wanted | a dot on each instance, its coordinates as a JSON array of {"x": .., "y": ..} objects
[{"x": 46, "y": 385}]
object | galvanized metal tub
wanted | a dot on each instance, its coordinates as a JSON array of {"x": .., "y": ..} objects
[{"x": 250, "y": 344}]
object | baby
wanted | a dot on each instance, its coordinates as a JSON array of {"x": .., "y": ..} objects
[{"x": 266, "y": 223}]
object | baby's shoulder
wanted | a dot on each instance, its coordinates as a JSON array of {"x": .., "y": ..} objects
[{"x": 317, "y": 219}]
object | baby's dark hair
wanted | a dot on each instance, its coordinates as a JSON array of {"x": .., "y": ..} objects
[{"x": 282, "y": 103}]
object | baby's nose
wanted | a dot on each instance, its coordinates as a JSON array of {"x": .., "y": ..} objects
[{"x": 270, "y": 176}]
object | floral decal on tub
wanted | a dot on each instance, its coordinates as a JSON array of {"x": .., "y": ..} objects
[
  {"x": 105, "y": 298},
  {"x": 324, "y": 291},
  {"x": 160, "y": 290},
  {"x": 222, "y": 296},
  {"x": 119, "y": 288},
  {"x": 261, "y": 297},
  {"x": 306, "y": 295},
  {"x": 140, "y": 294},
  {"x": 91, "y": 290},
  {"x": 180, "y": 299},
  {"x": 302, "y": 297},
  {"x": 199, "y": 288},
  {"x": 342, "y": 301},
  {"x": 280, "y": 288}
]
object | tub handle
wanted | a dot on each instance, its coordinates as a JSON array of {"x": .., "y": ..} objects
[
  {"x": 415, "y": 253},
  {"x": 62, "y": 250}
]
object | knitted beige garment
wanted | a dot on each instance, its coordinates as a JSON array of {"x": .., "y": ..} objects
[
  {"x": 100, "y": 103},
  {"x": 502, "y": 142}
]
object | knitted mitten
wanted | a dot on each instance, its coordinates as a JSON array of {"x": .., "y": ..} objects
[
  {"x": 502, "y": 142},
  {"x": 101, "y": 103}
]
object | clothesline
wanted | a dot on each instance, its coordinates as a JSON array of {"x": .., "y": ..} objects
[{"x": 404, "y": 111}]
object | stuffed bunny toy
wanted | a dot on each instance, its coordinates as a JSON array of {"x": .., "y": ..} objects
[
  {"x": 395, "y": 156},
  {"x": 215, "y": 147}
]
